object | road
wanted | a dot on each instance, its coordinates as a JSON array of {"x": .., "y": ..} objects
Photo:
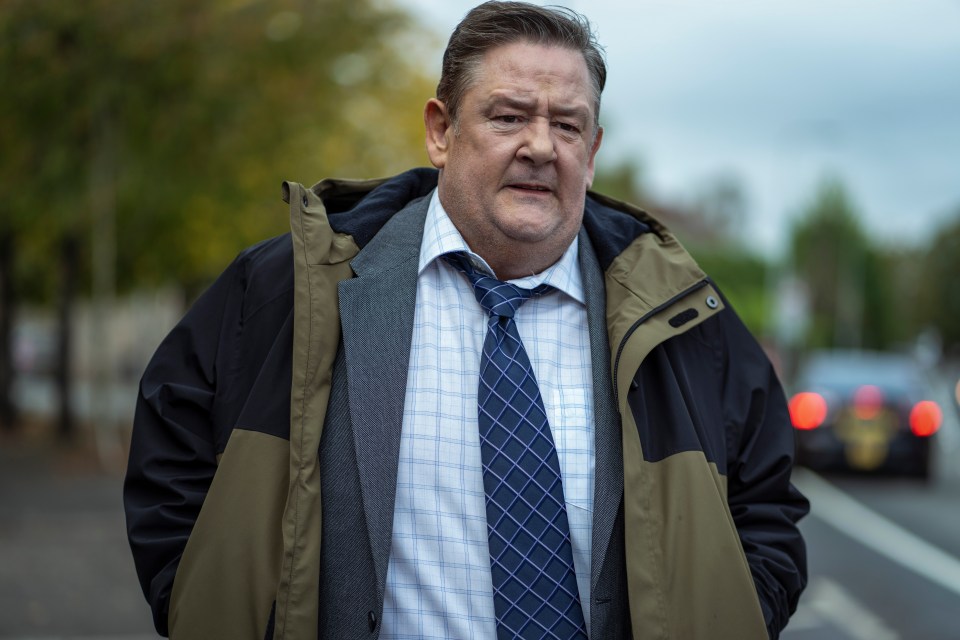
[
  {"x": 65, "y": 566},
  {"x": 884, "y": 554},
  {"x": 883, "y": 560}
]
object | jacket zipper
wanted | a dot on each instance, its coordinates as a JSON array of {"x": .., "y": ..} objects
[{"x": 640, "y": 321}]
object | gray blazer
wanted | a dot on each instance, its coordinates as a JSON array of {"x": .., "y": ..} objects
[{"x": 361, "y": 438}]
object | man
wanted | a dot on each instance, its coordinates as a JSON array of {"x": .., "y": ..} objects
[{"x": 319, "y": 448}]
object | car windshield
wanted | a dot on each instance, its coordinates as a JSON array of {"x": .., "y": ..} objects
[{"x": 845, "y": 371}]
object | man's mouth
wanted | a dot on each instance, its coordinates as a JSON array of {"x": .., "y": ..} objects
[{"x": 530, "y": 187}]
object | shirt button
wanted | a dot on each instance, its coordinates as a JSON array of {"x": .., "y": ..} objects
[
  {"x": 305, "y": 201},
  {"x": 372, "y": 620},
  {"x": 712, "y": 302}
]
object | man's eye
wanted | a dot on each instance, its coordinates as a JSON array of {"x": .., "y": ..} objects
[
  {"x": 566, "y": 126},
  {"x": 507, "y": 119}
]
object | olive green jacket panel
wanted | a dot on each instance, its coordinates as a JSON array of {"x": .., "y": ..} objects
[
  {"x": 321, "y": 261},
  {"x": 677, "y": 507},
  {"x": 681, "y": 539},
  {"x": 232, "y": 554}
]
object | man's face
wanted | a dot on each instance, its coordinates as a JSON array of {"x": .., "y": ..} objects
[{"x": 515, "y": 170}]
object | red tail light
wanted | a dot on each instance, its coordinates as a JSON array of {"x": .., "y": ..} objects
[
  {"x": 925, "y": 418},
  {"x": 807, "y": 410}
]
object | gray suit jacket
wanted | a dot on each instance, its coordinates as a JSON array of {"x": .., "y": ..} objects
[{"x": 361, "y": 438}]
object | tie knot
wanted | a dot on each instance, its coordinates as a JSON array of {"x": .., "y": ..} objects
[{"x": 498, "y": 298}]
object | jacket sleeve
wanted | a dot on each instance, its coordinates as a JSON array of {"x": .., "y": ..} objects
[
  {"x": 173, "y": 452},
  {"x": 765, "y": 505}
]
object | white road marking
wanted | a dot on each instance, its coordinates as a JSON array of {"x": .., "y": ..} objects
[
  {"x": 826, "y": 604},
  {"x": 805, "y": 618},
  {"x": 872, "y": 530},
  {"x": 836, "y": 605}
]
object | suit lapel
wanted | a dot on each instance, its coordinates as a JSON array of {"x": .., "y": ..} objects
[
  {"x": 608, "y": 474},
  {"x": 377, "y": 311}
]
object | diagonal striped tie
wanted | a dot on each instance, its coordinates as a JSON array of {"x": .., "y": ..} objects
[{"x": 531, "y": 560}]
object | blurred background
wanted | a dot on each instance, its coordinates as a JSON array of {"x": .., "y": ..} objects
[{"x": 808, "y": 155}]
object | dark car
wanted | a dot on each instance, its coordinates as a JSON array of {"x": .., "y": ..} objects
[{"x": 863, "y": 411}]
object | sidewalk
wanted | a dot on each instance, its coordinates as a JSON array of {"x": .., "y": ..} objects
[{"x": 65, "y": 566}]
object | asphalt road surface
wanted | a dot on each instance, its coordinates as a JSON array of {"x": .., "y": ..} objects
[
  {"x": 884, "y": 554},
  {"x": 65, "y": 566}
]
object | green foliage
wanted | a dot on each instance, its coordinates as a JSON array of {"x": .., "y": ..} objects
[
  {"x": 708, "y": 230},
  {"x": 184, "y": 117},
  {"x": 847, "y": 278},
  {"x": 903, "y": 267},
  {"x": 742, "y": 277},
  {"x": 721, "y": 203},
  {"x": 938, "y": 299},
  {"x": 623, "y": 181}
]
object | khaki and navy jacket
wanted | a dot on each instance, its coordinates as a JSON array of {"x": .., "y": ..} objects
[{"x": 259, "y": 493}]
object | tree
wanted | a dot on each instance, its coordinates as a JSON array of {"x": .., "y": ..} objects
[
  {"x": 722, "y": 204},
  {"x": 7, "y": 408},
  {"x": 191, "y": 114},
  {"x": 623, "y": 180},
  {"x": 719, "y": 212},
  {"x": 157, "y": 133},
  {"x": 844, "y": 273},
  {"x": 939, "y": 288},
  {"x": 708, "y": 228}
]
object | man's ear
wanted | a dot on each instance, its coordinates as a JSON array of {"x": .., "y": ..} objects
[
  {"x": 438, "y": 127},
  {"x": 593, "y": 154}
]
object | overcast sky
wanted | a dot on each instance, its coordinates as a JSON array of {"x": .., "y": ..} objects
[{"x": 779, "y": 94}]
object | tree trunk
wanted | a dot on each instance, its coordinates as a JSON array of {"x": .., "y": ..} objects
[
  {"x": 103, "y": 205},
  {"x": 8, "y": 409},
  {"x": 69, "y": 266}
]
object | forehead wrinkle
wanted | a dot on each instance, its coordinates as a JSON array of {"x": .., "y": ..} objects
[
  {"x": 572, "y": 110},
  {"x": 530, "y": 99},
  {"x": 498, "y": 74},
  {"x": 512, "y": 98}
]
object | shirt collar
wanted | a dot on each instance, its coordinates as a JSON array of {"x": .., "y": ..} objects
[{"x": 440, "y": 236}]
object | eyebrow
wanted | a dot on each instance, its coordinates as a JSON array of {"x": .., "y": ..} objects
[{"x": 519, "y": 102}]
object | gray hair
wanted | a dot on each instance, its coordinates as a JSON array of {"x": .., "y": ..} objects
[{"x": 494, "y": 24}]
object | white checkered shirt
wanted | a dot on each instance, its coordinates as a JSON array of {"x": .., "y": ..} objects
[{"x": 438, "y": 578}]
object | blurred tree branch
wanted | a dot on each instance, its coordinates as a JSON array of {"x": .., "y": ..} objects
[
  {"x": 145, "y": 142},
  {"x": 211, "y": 106}
]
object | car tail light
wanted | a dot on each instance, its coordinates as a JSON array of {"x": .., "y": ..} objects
[
  {"x": 808, "y": 410},
  {"x": 867, "y": 402},
  {"x": 925, "y": 418}
]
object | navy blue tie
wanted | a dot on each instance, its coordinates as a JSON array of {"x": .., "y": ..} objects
[{"x": 531, "y": 561}]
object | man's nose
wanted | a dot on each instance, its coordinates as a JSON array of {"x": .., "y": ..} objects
[{"x": 538, "y": 144}]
